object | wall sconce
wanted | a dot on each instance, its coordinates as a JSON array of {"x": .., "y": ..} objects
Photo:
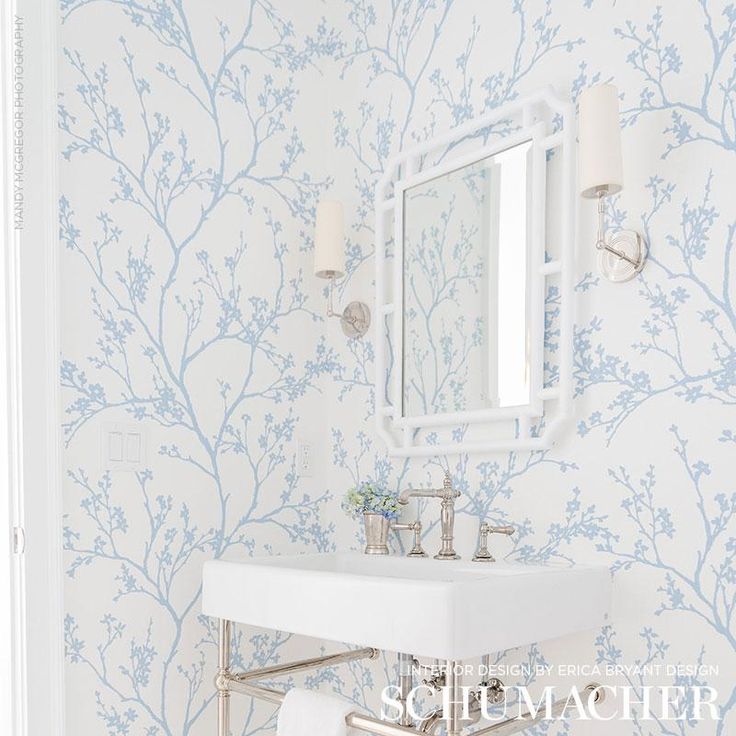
[
  {"x": 622, "y": 254},
  {"x": 329, "y": 263}
]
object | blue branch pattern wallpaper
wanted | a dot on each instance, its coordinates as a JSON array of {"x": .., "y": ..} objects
[{"x": 195, "y": 141}]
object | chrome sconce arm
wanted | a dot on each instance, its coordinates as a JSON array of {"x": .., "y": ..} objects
[{"x": 627, "y": 246}]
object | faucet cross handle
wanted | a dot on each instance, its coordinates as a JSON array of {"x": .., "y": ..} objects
[
  {"x": 483, "y": 554},
  {"x": 416, "y": 527}
]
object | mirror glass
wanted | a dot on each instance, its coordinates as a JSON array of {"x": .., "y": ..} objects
[{"x": 466, "y": 287}]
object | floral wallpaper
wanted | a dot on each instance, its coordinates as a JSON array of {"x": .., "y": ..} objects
[
  {"x": 445, "y": 317},
  {"x": 195, "y": 140}
]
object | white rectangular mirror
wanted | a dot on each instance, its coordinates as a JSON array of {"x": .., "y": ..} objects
[
  {"x": 466, "y": 297},
  {"x": 474, "y": 245}
]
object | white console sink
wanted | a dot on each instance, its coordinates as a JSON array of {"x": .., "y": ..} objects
[{"x": 445, "y": 609}]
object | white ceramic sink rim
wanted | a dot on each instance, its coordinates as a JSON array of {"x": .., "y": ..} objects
[
  {"x": 446, "y": 609},
  {"x": 401, "y": 568}
]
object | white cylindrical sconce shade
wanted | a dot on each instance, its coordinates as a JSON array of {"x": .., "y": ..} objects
[
  {"x": 329, "y": 240},
  {"x": 599, "y": 135}
]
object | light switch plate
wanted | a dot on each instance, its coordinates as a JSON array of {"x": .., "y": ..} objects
[
  {"x": 304, "y": 458},
  {"x": 123, "y": 446}
]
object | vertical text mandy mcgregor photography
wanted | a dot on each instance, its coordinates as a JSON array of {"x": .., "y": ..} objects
[{"x": 18, "y": 157}]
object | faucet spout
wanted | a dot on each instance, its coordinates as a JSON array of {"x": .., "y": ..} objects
[
  {"x": 447, "y": 491},
  {"x": 447, "y": 495},
  {"x": 408, "y": 494}
]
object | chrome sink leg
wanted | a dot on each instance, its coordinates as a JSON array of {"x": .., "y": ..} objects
[
  {"x": 453, "y": 714},
  {"x": 221, "y": 679},
  {"x": 406, "y": 683}
]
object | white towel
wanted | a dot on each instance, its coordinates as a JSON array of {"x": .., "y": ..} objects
[{"x": 308, "y": 713}]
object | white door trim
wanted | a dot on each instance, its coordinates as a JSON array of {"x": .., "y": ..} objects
[
  {"x": 31, "y": 338},
  {"x": 14, "y": 617}
]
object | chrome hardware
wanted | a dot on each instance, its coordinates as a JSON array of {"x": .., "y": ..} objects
[
  {"x": 355, "y": 318},
  {"x": 227, "y": 682},
  {"x": 495, "y": 690},
  {"x": 416, "y": 527},
  {"x": 482, "y": 554},
  {"x": 453, "y": 716},
  {"x": 19, "y": 540},
  {"x": 431, "y": 721},
  {"x": 527, "y": 719},
  {"x": 447, "y": 495},
  {"x": 289, "y": 668},
  {"x": 435, "y": 683},
  {"x": 222, "y": 678},
  {"x": 495, "y": 687},
  {"x": 406, "y": 684},
  {"x": 627, "y": 246}
]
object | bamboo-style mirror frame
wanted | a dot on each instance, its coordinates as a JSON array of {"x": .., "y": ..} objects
[{"x": 548, "y": 122}]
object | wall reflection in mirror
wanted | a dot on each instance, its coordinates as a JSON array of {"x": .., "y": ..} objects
[{"x": 466, "y": 311}]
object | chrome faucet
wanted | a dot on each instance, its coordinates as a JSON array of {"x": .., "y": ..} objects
[
  {"x": 447, "y": 495},
  {"x": 416, "y": 527},
  {"x": 482, "y": 554}
]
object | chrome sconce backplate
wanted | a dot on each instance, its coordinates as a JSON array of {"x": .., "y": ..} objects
[
  {"x": 355, "y": 319},
  {"x": 621, "y": 254},
  {"x": 623, "y": 257}
]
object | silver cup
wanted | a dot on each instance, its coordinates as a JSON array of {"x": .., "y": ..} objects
[{"x": 376, "y": 534}]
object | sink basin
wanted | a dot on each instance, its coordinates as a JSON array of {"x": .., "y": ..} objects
[{"x": 432, "y": 608}]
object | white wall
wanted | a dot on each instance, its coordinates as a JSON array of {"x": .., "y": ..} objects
[{"x": 218, "y": 350}]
